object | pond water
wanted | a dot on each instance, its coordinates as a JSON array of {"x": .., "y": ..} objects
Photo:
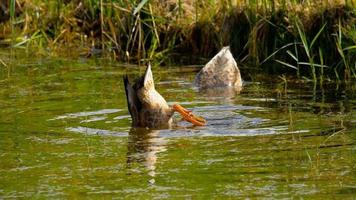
[{"x": 65, "y": 133}]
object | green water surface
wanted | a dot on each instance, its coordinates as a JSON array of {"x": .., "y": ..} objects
[{"x": 65, "y": 133}]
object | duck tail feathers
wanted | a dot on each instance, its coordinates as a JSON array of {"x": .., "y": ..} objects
[{"x": 133, "y": 103}]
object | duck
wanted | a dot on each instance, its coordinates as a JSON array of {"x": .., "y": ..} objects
[
  {"x": 147, "y": 106},
  {"x": 220, "y": 71}
]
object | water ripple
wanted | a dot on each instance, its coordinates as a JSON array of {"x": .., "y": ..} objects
[{"x": 88, "y": 113}]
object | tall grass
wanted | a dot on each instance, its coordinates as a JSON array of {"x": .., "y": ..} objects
[
  {"x": 308, "y": 49},
  {"x": 314, "y": 39},
  {"x": 12, "y": 16}
]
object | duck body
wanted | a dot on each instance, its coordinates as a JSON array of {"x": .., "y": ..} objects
[
  {"x": 146, "y": 106},
  {"x": 220, "y": 71}
]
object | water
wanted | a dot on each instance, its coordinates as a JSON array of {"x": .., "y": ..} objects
[{"x": 65, "y": 133}]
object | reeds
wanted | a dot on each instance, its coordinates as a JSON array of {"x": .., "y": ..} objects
[
  {"x": 308, "y": 49},
  {"x": 314, "y": 39}
]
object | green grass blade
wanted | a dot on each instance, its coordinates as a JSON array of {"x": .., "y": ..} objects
[
  {"x": 321, "y": 56},
  {"x": 274, "y": 53},
  {"x": 286, "y": 64},
  {"x": 339, "y": 49},
  {"x": 316, "y": 36},
  {"x": 349, "y": 48},
  {"x": 304, "y": 39},
  {"x": 12, "y": 8},
  {"x": 340, "y": 33},
  {"x": 336, "y": 74},
  {"x": 322, "y": 63},
  {"x": 291, "y": 55},
  {"x": 312, "y": 64},
  {"x": 297, "y": 56},
  {"x": 33, "y": 37},
  {"x": 139, "y": 6}
]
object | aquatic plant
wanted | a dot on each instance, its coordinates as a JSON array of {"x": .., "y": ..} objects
[{"x": 314, "y": 39}]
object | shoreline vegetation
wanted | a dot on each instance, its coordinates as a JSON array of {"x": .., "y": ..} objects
[{"x": 315, "y": 40}]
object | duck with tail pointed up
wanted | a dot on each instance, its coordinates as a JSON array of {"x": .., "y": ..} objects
[
  {"x": 220, "y": 71},
  {"x": 148, "y": 108}
]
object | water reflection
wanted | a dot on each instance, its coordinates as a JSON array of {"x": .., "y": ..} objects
[
  {"x": 220, "y": 94},
  {"x": 142, "y": 148}
]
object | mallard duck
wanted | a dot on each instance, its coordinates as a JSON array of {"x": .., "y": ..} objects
[
  {"x": 220, "y": 71},
  {"x": 146, "y": 106},
  {"x": 149, "y": 109}
]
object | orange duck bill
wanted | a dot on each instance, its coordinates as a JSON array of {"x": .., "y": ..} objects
[{"x": 189, "y": 116}]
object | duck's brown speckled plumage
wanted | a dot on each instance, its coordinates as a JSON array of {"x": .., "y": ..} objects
[
  {"x": 146, "y": 106},
  {"x": 220, "y": 71}
]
